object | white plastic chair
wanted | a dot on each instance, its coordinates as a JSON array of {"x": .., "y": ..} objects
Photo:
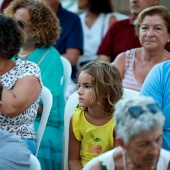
[
  {"x": 70, "y": 107},
  {"x": 67, "y": 72},
  {"x": 46, "y": 97},
  {"x": 34, "y": 163},
  {"x": 129, "y": 93}
]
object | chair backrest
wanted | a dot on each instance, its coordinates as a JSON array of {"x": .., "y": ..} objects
[
  {"x": 67, "y": 72},
  {"x": 129, "y": 93},
  {"x": 46, "y": 97},
  {"x": 70, "y": 107},
  {"x": 34, "y": 163}
]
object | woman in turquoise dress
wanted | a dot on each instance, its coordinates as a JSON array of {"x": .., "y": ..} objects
[
  {"x": 52, "y": 72},
  {"x": 41, "y": 29}
]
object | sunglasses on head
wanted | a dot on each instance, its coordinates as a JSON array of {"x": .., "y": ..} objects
[
  {"x": 21, "y": 24},
  {"x": 136, "y": 111}
]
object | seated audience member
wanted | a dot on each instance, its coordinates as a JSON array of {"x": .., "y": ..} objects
[
  {"x": 19, "y": 80},
  {"x": 41, "y": 29},
  {"x": 121, "y": 36},
  {"x": 10, "y": 144},
  {"x": 95, "y": 20},
  {"x": 70, "y": 42},
  {"x": 92, "y": 126},
  {"x": 156, "y": 85},
  {"x": 139, "y": 123},
  {"x": 153, "y": 29}
]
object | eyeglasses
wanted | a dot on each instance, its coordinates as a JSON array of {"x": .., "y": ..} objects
[
  {"x": 21, "y": 24},
  {"x": 136, "y": 111}
]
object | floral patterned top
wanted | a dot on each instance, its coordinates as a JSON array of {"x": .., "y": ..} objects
[{"x": 22, "y": 124}]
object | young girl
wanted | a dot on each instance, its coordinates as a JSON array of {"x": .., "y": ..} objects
[{"x": 92, "y": 124}]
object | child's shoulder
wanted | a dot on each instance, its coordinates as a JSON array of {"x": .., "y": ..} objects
[
  {"x": 78, "y": 116},
  {"x": 79, "y": 112}
]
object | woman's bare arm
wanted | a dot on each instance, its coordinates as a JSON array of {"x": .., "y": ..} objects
[
  {"x": 119, "y": 62},
  {"x": 25, "y": 92}
]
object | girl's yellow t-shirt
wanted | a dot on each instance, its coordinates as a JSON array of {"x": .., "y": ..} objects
[{"x": 95, "y": 140}]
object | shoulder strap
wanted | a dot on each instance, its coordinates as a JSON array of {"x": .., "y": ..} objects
[{"x": 43, "y": 57}]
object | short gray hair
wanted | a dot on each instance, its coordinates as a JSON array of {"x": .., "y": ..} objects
[{"x": 128, "y": 125}]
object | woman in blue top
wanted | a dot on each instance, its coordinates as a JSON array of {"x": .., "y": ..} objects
[{"x": 41, "y": 29}]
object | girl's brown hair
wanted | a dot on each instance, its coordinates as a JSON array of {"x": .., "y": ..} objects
[{"x": 106, "y": 81}]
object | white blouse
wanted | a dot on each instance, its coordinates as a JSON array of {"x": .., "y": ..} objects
[{"x": 93, "y": 36}]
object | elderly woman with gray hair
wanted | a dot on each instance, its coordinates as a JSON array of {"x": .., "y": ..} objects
[{"x": 139, "y": 123}]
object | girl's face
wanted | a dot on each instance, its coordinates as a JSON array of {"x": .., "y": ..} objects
[
  {"x": 85, "y": 90},
  {"x": 83, "y": 4}
]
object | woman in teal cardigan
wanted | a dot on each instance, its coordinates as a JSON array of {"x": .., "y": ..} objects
[{"x": 41, "y": 29}]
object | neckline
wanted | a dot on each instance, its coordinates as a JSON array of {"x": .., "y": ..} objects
[
  {"x": 99, "y": 126},
  {"x": 99, "y": 20}
]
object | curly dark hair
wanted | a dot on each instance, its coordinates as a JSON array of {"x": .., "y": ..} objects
[
  {"x": 100, "y": 6},
  {"x": 43, "y": 20},
  {"x": 11, "y": 37},
  {"x": 106, "y": 81}
]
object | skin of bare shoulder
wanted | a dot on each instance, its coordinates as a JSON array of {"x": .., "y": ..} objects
[
  {"x": 147, "y": 61},
  {"x": 119, "y": 62}
]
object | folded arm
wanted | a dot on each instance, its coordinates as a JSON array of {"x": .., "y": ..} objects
[{"x": 24, "y": 93}]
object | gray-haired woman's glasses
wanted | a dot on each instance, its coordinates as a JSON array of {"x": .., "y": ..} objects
[{"x": 136, "y": 111}]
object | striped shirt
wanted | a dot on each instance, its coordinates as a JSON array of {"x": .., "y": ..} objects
[{"x": 129, "y": 80}]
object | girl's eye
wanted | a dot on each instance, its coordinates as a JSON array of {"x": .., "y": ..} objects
[{"x": 87, "y": 87}]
